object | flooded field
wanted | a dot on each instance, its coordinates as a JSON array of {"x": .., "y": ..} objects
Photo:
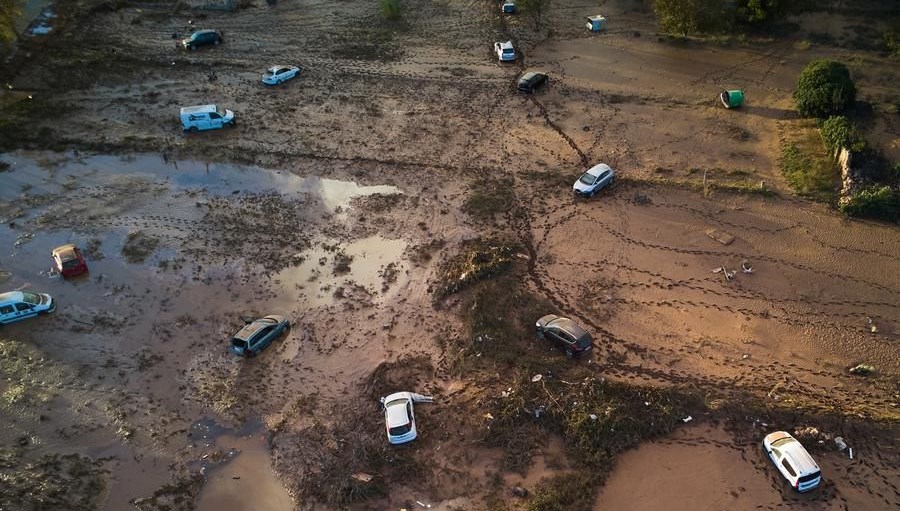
[{"x": 412, "y": 216}]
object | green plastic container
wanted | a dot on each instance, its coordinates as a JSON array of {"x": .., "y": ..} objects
[{"x": 732, "y": 98}]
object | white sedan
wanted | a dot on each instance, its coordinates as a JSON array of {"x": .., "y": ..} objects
[
  {"x": 277, "y": 74},
  {"x": 505, "y": 51},
  {"x": 595, "y": 179},
  {"x": 399, "y": 419}
]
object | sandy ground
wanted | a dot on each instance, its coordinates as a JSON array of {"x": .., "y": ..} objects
[{"x": 345, "y": 204}]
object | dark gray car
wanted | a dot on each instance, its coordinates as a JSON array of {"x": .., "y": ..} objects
[
  {"x": 530, "y": 81},
  {"x": 258, "y": 334},
  {"x": 565, "y": 334},
  {"x": 202, "y": 38}
]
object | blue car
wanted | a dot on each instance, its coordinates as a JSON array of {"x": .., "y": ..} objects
[
  {"x": 257, "y": 335},
  {"x": 508, "y": 7}
]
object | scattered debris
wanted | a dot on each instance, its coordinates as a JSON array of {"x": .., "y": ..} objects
[
  {"x": 419, "y": 502},
  {"x": 872, "y": 327},
  {"x": 724, "y": 271},
  {"x": 745, "y": 267},
  {"x": 536, "y": 378},
  {"x": 720, "y": 236},
  {"x": 839, "y": 442},
  {"x": 862, "y": 370},
  {"x": 361, "y": 477},
  {"x": 488, "y": 416},
  {"x": 520, "y": 492},
  {"x": 687, "y": 419}
]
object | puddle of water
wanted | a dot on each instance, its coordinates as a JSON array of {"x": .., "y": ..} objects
[
  {"x": 315, "y": 281},
  {"x": 247, "y": 481}
]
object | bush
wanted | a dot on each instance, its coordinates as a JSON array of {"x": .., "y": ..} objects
[
  {"x": 391, "y": 9},
  {"x": 839, "y": 131},
  {"x": 874, "y": 202},
  {"x": 688, "y": 16},
  {"x": 824, "y": 88}
]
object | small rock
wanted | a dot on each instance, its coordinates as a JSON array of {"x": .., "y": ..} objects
[{"x": 520, "y": 492}]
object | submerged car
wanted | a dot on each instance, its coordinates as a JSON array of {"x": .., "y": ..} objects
[
  {"x": 506, "y": 52},
  {"x": 508, "y": 7},
  {"x": 258, "y": 334},
  {"x": 792, "y": 460},
  {"x": 68, "y": 261},
  {"x": 595, "y": 179},
  {"x": 18, "y": 305},
  {"x": 278, "y": 74},
  {"x": 201, "y": 38},
  {"x": 399, "y": 418},
  {"x": 565, "y": 334},
  {"x": 530, "y": 81}
]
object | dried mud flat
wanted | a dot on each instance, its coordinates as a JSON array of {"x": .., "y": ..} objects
[{"x": 401, "y": 156}]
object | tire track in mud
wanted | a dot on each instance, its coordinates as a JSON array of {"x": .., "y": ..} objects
[{"x": 569, "y": 140}]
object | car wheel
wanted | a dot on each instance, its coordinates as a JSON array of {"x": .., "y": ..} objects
[
  {"x": 278, "y": 81},
  {"x": 193, "y": 129},
  {"x": 570, "y": 353},
  {"x": 228, "y": 124}
]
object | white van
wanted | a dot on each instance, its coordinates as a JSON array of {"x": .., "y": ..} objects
[
  {"x": 205, "y": 117},
  {"x": 792, "y": 460},
  {"x": 17, "y": 305}
]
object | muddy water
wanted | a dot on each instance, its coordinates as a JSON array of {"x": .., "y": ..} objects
[
  {"x": 247, "y": 481},
  {"x": 109, "y": 322}
]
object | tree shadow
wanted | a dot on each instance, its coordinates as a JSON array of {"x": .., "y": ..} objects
[{"x": 770, "y": 113}]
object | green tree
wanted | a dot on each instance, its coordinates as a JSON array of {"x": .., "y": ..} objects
[
  {"x": 755, "y": 11},
  {"x": 824, "y": 88},
  {"x": 689, "y": 16},
  {"x": 10, "y": 10},
  {"x": 839, "y": 131},
  {"x": 534, "y": 9}
]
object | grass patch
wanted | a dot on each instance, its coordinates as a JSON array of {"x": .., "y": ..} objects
[
  {"x": 807, "y": 166},
  {"x": 565, "y": 492},
  {"x": 490, "y": 197}
]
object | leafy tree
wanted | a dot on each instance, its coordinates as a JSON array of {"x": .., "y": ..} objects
[
  {"x": 534, "y": 9},
  {"x": 756, "y": 11},
  {"x": 689, "y": 16},
  {"x": 839, "y": 131},
  {"x": 10, "y": 10},
  {"x": 824, "y": 88}
]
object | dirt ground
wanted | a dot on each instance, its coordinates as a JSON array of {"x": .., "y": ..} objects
[{"x": 338, "y": 200}]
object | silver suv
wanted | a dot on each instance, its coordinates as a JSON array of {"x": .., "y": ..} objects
[{"x": 792, "y": 460}]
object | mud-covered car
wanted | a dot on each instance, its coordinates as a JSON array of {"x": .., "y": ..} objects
[
  {"x": 68, "y": 262},
  {"x": 399, "y": 418},
  {"x": 278, "y": 74},
  {"x": 18, "y": 305},
  {"x": 531, "y": 81},
  {"x": 792, "y": 460},
  {"x": 506, "y": 52},
  {"x": 565, "y": 334},
  {"x": 258, "y": 334},
  {"x": 201, "y": 38}
]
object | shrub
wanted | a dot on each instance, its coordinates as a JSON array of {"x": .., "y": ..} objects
[
  {"x": 688, "y": 16},
  {"x": 873, "y": 202},
  {"x": 824, "y": 88},
  {"x": 839, "y": 131},
  {"x": 391, "y": 9}
]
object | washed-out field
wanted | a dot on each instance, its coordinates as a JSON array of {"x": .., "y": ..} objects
[{"x": 412, "y": 216}]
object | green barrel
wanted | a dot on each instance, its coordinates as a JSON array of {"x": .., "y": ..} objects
[{"x": 732, "y": 98}]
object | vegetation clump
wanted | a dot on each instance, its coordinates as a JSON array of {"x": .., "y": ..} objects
[
  {"x": 879, "y": 201},
  {"x": 481, "y": 261},
  {"x": 391, "y": 9},
  {"x": 838, "y": 131},
  {"x": 824, "y": 88},
  {"x": 490, "y": 198}
]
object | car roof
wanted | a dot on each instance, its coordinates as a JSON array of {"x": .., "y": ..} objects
[
  {"x": 205, "y": 31},
  {"x": 250, "y": 330},
  {"x": 65, "y": 252},
  {"x": 800, "y": 458},
  {"x": 570, "y": 327},
  {"x": 396, "y": 415},
  {"x": 198, "y": 109},
  {"x": 12, "y": 296},
  {"x": 596, "y": 170},
  {"x": 529, "y": 75}
]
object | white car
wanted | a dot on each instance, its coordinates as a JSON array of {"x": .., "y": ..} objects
[
  {"x": 399, "y": 419},
  {"x": 594, "y": 180},
  {"x": 792, "y": 460},
  {"x": 18, "y": 305},
  {"x": 505, "y": 51},
  {"x": 277, "y": 74}
]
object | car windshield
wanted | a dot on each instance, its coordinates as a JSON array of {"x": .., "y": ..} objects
[
  {"x": 401, "y": 430},
  {"x": 583, "y": 342},
  {"x": 587, "y": 179},
  {"x": 395, "y": 402},
  {"x": 71, "y": 263},
  {"x": 270, "y": 72},
  {"x": 237, "y": 343},
  {"x": 220, "y": 112},
  {"x": 31, "y": 298},
  {"x": 810, "y": 477},
  {"x": 508, "y": 51},
  {"x": 782, "y": 441}
]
